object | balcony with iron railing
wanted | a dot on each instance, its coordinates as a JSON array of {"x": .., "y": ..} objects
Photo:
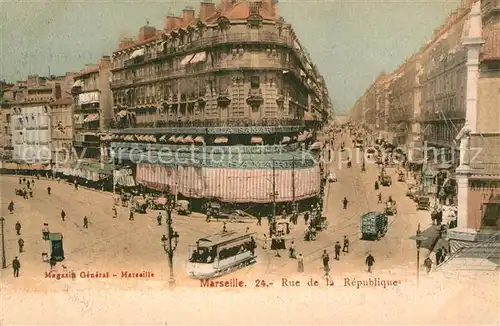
[
  {"x": 210, "y": 123},
  {"x": 490, "y": 7},
  {"x": 211, "y": 41}
]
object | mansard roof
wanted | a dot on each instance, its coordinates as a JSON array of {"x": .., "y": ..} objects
[{"x": 240, "y": 11}]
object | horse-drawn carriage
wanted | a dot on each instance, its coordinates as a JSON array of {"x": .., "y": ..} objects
[
  {"x": 21, "y": 192},
  {"x": 390, "y": 208},
  {"x": 437, "y": 216},
  {"x": 139, "y": 204},
  {"x": 158, "y": 203}
]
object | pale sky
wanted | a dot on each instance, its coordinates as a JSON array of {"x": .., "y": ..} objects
[{"x": 351, "y": 41}]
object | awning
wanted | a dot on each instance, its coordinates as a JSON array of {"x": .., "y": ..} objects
[
  {"x": 256, "y": 140},
  {"x": 199, "y": 139},
  {"x": 78, "y": 83},
  {"x": 163, "y": 138},
  {"x": 444, "y": 166},
  {"x": 301, "y": 137},
  {"x": 285, "y": 140},
  {"x": 172, "y": 139},
  {"x": 153, "y": 139},
  {"x": 186, "y": 59},
  {"x": 91, "y": 117},
  {"x": 161, "y": 46},
  {"x": 220, "y": 140},
  {"x": 122, "y": 113},
  {"x": 179, "y": 139},
  {"x": 199, "y": 57},
  {"x": 188, "y": 139},
  {"x": 316, "y": 145},
  {"x": 137, "y": 53}
]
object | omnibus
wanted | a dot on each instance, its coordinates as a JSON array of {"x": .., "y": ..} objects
[{"x": 221, "y": 253}]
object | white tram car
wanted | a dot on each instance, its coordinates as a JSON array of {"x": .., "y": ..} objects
[{"x": 221, "y": 253}]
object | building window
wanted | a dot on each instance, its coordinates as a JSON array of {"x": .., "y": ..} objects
[{"x": 254, "y": 82}]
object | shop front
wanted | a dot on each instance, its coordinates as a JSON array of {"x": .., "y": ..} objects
[{"x": 484, "y": 205}]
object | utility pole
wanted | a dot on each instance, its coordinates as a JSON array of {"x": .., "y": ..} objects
[
  {"x": 293, "y": 186},
  {"x": 4, "y": 262},
  {"x": 274, "y": 194}
]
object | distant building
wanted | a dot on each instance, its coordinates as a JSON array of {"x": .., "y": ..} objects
[
  {"x": 6, "y": 98},
  {"x": 61, "y": 127},
  {"x": 92, "y": 108},
  {"x": 233, "y": 79}
]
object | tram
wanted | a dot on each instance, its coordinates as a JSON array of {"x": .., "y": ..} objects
[{"x": 220, "y": 254}]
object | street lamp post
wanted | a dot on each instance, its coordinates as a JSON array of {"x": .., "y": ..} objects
[
  {"x": 167, "y": 244},
  {"x": 418, "y": 237},
  {"x": 4, "y": 262}
]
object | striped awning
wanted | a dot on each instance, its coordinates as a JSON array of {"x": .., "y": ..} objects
[
  {"x": 220, "y": 140},
  {"x": 137, "y": 53},
  {"x": 199, "y": 139},
  {"x": 316, "y": 145},
  {"x": 199, "y": 57},
  {"x": 256, "y": 140},
  {"x": 172, "y": 139},
  {"x": 188, "y": 139},
  {"x": 163, "y": 138},
  {"x": 285, "y": 140},
  {"x": 179, "y": 139},
  {"x": 91, "y": 117},
  {"x": 186, "y": 59},
  {"x": 301, "y": 137}
]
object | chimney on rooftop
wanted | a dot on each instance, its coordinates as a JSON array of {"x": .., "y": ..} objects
[
  {"x": 225, "y": 5},
  {"x": 207, "y": 9},
  {"x": 146, "y": 32},
  {"x": 171, "y": 22},
  {"x": 188, "y": 16},
  {"x": 267, "y": 5},
  {"x": 125, "y": 43}
]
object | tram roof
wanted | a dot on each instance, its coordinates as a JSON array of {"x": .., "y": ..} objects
[{"x": 224, "y": 237}]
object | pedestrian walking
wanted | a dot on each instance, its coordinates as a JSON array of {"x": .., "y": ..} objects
[
  {"x": 292, "y": 250},
  {"x": 326, "y": 261},
  {"x": 85, "y": 222},
  {"x": 345, "y": 202},
  {"x": 337, "y": 250},
  {"x": 259, "y": 220},
  {"x": 380, "y": 198},
  {"x": 63, "y": 215},
  {"x": 376, "y": 185},
  {"x": 443, "y": 255},
  {"x": 16, "y": 266},
  {"x": 306, "y": 217},
  {"x": 76, "y": 184},
  {"x": 20, "y": 181},
  {"x": 369, "y": 262},
  {"x": 224, "y": 230},
  {"x": 45, "y": 231},
  {"x": 428, "y": 265},
  {"x": 28, "y": 184},
  {"x": 300, "y": 263},
  {"x": 11, "y": 207},
  {"x": 18, "y": 228},
  {"x": 31, "y": 193},
  {"x": 264, "y": 246},
  {"x": 131, "y": 216},
  {"x": 247, "y": 229},
  {"x": 52, "y": 262},
  {"x": 115, "y": 212},
  {"x": 439, "y": 254},
  {"x": 159, "y": 218},
  {"x": 48, "y": 190},
  {"x": 20, "y": 243},
  {"x": 346, "y": 245}
]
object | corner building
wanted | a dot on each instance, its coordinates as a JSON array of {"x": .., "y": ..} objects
[{"x": 221, "y": 107}]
